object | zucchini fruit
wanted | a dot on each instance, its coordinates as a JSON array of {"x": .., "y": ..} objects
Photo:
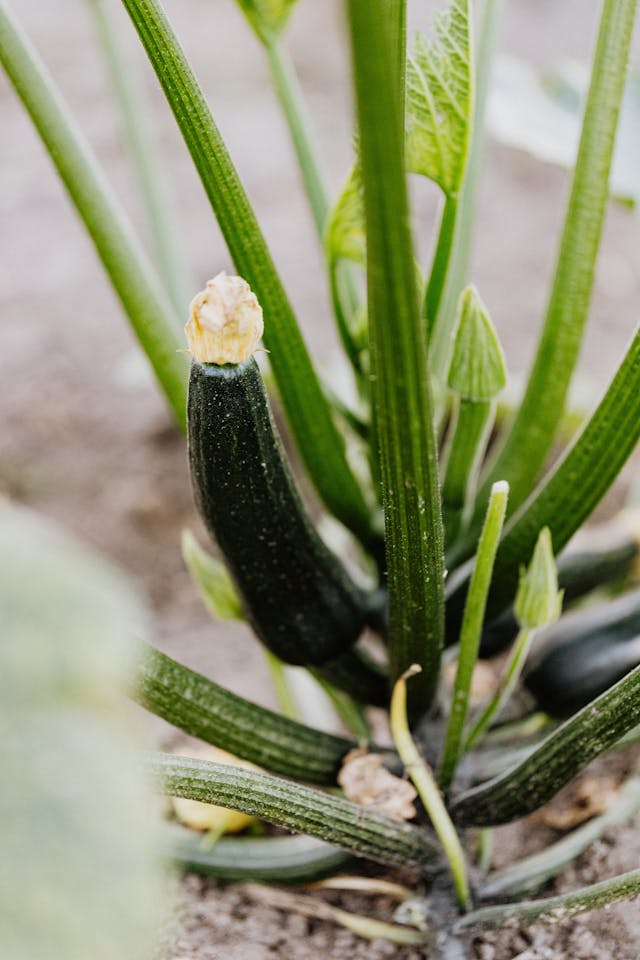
[
  {"x": 584, "y": 654},
  {"x": 297, "y": 595}
]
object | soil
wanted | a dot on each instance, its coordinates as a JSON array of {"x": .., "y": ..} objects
[{"x": 87, "y": 440}]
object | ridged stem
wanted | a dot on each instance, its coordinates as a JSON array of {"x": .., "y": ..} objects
[
  {"x": 206, "y": 710},
  {"x": 560, "y": 757},
  {"x": 138, "y": 287},
  {"x": 167, "y": 243},
  {"x": 532, "y": 872},
  {"x": 553, "y": 909},
  {"x": 472, "y": 630},
  {"x": 298, "y": 808},
  {"x": 531, "y": 435},
  {"x": 401, "y": 393}
]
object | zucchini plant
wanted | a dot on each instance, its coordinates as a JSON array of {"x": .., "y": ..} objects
[{"x": 454, "y": 523}]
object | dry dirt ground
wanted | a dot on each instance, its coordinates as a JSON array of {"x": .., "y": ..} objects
[{"x": 86, "y": 439}]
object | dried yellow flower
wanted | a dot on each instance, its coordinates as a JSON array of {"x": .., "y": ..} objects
[{"x": 225, "y": 321}]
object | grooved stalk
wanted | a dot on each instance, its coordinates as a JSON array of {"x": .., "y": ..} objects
[
  {"x": 134, "y": 281},
  {"x": 401, "y": 394},
  {"x": 531, "y": 436},
  {"x": 206, "y": 710},
  {"x": 531, "y": 783},
  {"x": 295, "y": 807}
]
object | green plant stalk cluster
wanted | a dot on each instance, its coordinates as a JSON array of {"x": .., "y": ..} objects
[
  {"x": 307, "y": 410},
  {"x": 139, "y": 289},
  {"x": 401, "y": 397},
  {"x": 531, "y": 435}
]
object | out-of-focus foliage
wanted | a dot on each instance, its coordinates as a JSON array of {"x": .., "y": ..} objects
[{"x": 78, "y": 876}]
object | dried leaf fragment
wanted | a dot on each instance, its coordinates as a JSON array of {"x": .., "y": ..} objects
[{"x": 367, "y": 782}]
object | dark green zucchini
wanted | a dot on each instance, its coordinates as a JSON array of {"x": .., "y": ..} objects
[
  {"x": 574, "y": 674},
  {"x": 297, "y": 595},
  {"x": 584, "y": 653}
]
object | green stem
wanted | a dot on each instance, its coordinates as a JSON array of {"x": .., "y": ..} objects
[
  {"x": 168, "y": 247},
  {"x": 568, "y": 495},
  {"x": 553, "y": 909},
  {"x": 280, "y": 684},
  {"x": 506, "y": 686},
  {"x": 137, "y": 286},
  {"x": 534, "y": 871},
  {"x": 349, "y": 710},
  {"x": 523, "y": 455},
  {"x": 287, "y": 88},
  {"x": 298, "y": 808},
  {"x": 471, "y": 427},
  {"x": 307, "y": 410},
  {"x": 206, "y": 710},
  {"x": 440, "y": 264},
  {"x": 427, "y": 788},
  {"x": 401, "y": 393},
  {"x": 559, "y": 758},
  {"x": 471, "y": 630},
  {"x": 458, "y": 272}
]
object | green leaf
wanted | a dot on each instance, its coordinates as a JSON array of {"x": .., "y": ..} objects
[
  {"x": 345, "y": 235},
  {"x": 267, "y": 17},
  {"x": 78, "y": 873},
  {"x": 440, "y": 99},
  {"x": 541, "y": 115},
  {"x": 212, "y": 579}
]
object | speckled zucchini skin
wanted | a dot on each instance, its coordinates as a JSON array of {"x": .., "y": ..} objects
[
  {"x": 296, "y": 593},
  {"x": 572, "y": 675}
]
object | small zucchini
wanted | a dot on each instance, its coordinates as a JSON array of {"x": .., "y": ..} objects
[
  {"x": 572, "y": 675},
  {"x": 297, "y": 595}
]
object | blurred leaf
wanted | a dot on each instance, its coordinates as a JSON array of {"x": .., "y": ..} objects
[
  {"x": 542, "y": 116},
  {"x": 78, "y": 876},
  {"x": 440, "y": 99},
  {"x": 267, "y": 17},
  {"x": 345, "y": 232},
  {"x": 212, "y": 579}
]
